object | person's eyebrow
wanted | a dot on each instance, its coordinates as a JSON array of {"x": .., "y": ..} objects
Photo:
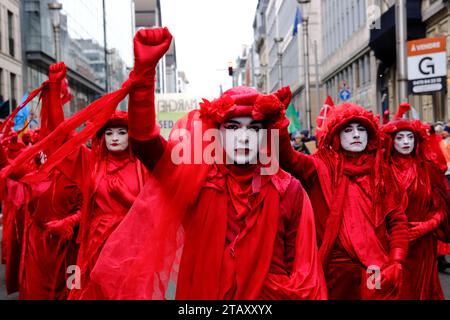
[
  {"x": 256, "y": 122},
  {"x": 232, "y": 121}
]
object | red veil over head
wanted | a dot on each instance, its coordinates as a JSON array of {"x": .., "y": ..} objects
[
  {"x": 426, "y": 146},
  {"x": 141, "y": 258}
]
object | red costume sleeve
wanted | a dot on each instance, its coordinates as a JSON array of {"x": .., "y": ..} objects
[
  {"x": 3, "y": 158},
  {"x": 146, "y": 142},
  {"x": 296, "y": 163},
  {"x": 291, "y": 226},
  {"x": 397, "y": 225}
]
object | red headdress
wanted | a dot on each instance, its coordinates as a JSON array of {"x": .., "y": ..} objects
[
  {"x": 245, "y": 101},
  {"x": 426, "y": 146},
  {"x": 343, "y": 115},
  {"x": 118, "y": 119}
]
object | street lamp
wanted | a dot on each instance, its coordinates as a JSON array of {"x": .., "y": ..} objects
[
  {"x": 55, "y": 8},
  {"x": 305, "y": 5}
]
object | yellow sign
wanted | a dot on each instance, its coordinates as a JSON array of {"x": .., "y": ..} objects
[{"x": 172, "y": 106}]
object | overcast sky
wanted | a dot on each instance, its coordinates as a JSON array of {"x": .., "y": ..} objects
[{"x": 208, "y": 34}]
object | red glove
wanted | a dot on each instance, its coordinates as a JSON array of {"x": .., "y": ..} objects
[
  {"x": 149, "y": 46},
  {"x": 403, "y": 108},
  {"x": 419, "y": 229},
  {"x": 120, "y": 192},
  {"x": 284, "y": 95},
  {"x": 51, "y": 100},
  {"x": 63, "y": 228},
  {"x": 57, "y": 72}
]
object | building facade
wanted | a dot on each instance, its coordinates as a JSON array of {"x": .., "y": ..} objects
[
  {"x": 279, "y": 54},
  {"x": 348, "y": 62},
  {"x": 436, "y": 17},
  {"x": 39, "y": 52},
  {"x": 10, "y": 57}
]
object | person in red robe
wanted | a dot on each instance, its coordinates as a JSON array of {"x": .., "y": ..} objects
[
  {"x": 13, "y": 195},
  {"x": 50, "y": 248},
  {"x": 112, "y": 177},
  {"x": 14, "y": 206},
  {"x": 218, "y": 227},
  {"x": 47, "y": 250},
  {"x": 359, "y": 209},
  {"x": 427, "y": 211}
]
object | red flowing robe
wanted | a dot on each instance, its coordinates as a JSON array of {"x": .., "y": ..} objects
[
  {"x": 103, "y": 211},
  {"x": 361, "y": 237},
  {"x": 14, "y": 212},
  {"x": 46, "y": 258},
  {"x": 15, "y": 199},
  {"x": 426, "y": 196}
]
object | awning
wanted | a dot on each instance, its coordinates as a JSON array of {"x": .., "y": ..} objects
[{"x": 382, "y": 40}]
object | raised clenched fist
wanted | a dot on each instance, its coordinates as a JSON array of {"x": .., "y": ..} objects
[
  {"x": 149, "y": 46},
  {"x": 57, "y": 72}
]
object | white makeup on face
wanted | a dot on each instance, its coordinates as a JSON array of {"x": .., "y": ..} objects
[
  {"x": 241, "y": 140},
  {"x": 116, "y": 139},
  {"x": 404, "y": 142},
  {"x": 354, "y": 137}
]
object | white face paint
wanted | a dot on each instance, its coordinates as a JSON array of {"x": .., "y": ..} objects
[
  {"x": 404, "y": 142},
  {"x": 240, "y": 139},
  {"x": 354, "y": 137},
  {"x": 116, "y": 139}
]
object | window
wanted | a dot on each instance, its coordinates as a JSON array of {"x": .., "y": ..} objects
[
  {"x": 352, "y": 18},
  {"x": 362, "y": 11},
  {"x": 1, "y": 86},
  {"x": 356, "y": 14},
  {"x": 350, "y": 76},
  {"x": 367, "y": 67},
  {"x": 11, "y": 33},
  {"x": 363, "y": 71},
  {"x": 13, "y": 97},
  {"x": 357, "y": 75}
]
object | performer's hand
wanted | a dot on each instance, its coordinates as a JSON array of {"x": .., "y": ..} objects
[
  {"x": 57, "y": 72},
  {"x": 59, "y": 228},
  {"x": 284, "y": 95},
  {"x": 419, "y": 229},
  {"x": 391, "y": 275},
  {"x": 113, "y": 185},
  {"x": 149, "y": 46}
]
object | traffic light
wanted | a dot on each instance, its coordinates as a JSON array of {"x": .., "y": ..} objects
[{"x": 230, "y": 71}]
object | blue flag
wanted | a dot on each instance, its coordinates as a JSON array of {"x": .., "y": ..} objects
[
  {"x": 22, "y": 115},
  {"x": 298, "y": 19}
]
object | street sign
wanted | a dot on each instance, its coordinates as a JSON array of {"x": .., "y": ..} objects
[
  {"x": 427, "y": 65},
  {"x": 344, "y": 94}
]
